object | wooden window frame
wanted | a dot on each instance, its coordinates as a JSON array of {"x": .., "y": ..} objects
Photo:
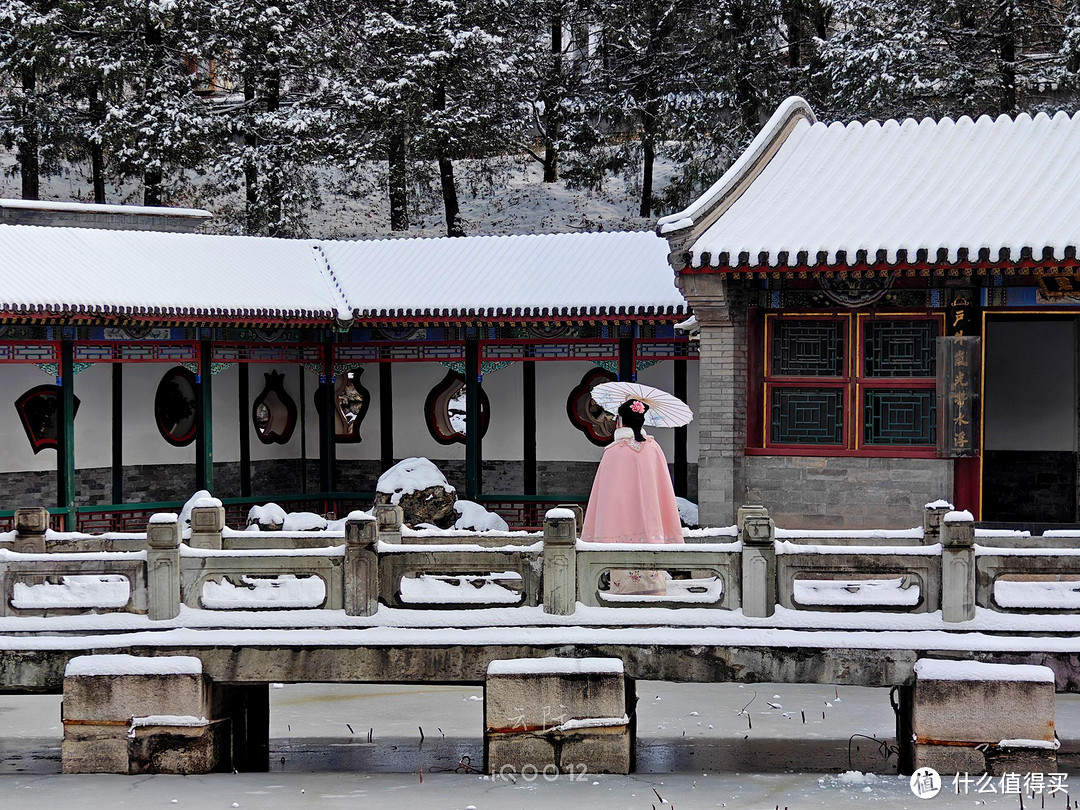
[{"x": 853, "y": 382}]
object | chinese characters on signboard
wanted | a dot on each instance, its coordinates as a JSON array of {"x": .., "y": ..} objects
[{"x": 958, "y": 396}]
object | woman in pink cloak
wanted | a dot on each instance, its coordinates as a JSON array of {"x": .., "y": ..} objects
[{"x": 632, "y": 500}]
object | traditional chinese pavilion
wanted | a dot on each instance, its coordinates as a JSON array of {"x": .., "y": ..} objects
[
  {"x": 888, "y": 314},
  {"x": 142, "y": 362}
]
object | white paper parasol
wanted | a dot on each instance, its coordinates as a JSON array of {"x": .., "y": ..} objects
[{"x": 665, "y": 410}]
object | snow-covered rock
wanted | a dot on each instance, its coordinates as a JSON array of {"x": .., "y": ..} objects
[
  {"x": 304, "y": 522},
  {"x": 421, "y": 490},
  {"x": 269, "y": 517}
]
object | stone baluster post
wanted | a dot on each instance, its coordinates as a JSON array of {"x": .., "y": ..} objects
[
  {"x": 30, "y": 526},
  {"x": 932, "y": 515},
  {"x": 560, "y": 562},
  {"x": 207, "y": 521},
  {"x": 388, "y": 520},
  {"x": 361, "y": 565},
  {"x": 758, "y": 533},
  {"x": 958, "y": 567},
  {"x": 163, "y": 566}
]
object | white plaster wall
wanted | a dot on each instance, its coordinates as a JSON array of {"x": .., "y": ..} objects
[
  {"x": 225, "y": 397},
  {"x": 503, "y": 440},
  {"x": 142, "y": 441},
  {"x": 1030, "y": 385},
  {"x": 15, "y": 451},
  {"x": 412, "y": 381},
  {"x": 556, "y": 438},
  {"x": 93, "y": 432}
]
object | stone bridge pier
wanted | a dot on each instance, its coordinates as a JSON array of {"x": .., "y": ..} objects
[{"x": 134, "y": 714}]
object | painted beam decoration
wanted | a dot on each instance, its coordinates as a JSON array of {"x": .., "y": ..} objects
[{"x": 958, "y": 396}]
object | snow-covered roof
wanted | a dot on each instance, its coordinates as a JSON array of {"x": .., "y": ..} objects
[
  {"x": 150, "y": 273},
  {"x": 807, "y": 193},
  {"x": 66, "y": 271},
  {"x": 532, "y": 275},
  {"x": 96, "y": 208}
]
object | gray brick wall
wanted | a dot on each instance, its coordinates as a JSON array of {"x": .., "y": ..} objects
[
  {"x": 848, "y": 493},
  {"x": 722, "y": 414}
]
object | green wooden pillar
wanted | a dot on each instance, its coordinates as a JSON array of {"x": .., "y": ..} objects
[
  {"x": 65, "y": 434},
  {"x": 473, "y": 455},
  {"x": 204, "y": 439},
  {"x": 386, "y": 415},
  {"x": 243, "y": 396},
  {"x": 117, "y": 432},
  {"x": 528, "y": 426},
  {"x": 326, "y": 419}
]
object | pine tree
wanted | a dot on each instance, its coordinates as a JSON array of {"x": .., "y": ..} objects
[
  {"x": 431, "y": 80},
  {"x": 31, "y": 112}
]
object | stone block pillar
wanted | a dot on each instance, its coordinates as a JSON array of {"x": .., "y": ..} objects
[
  {"x": 207, "y": 521},
  {"x": 30, "y": 527},
  {"x": 388, "y": 520},
  {"x": 757, "y": 532},
  {"x": 973, "y": 717},
  {"x": 560, "y": 562},
  {"x": 163, "y": 566},
  {"x": 722, "y": 395},
  {"x": 958, "y": 567},
  {"x": 558, "y": 715},
  {"x": 132, "y": 714},
  {"x": 932, "y": 516},
  {"x": 361, "y": 565}
]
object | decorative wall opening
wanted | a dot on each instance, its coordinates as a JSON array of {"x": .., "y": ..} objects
[
  {"x": 597, "y": 424},
  {"x": 351, "y": 403},
  {"x": 444, "y": 410},
  {"x": 175, "y": 407},
  {"x": 274, "y": 412},
  {"x": 39, "y": 410}
]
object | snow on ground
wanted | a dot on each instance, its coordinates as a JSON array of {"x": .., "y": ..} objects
[
  {"x": 699, "y": 746},
  {"x": 516, "y": 202}
]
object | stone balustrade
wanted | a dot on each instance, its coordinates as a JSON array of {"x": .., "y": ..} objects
[{"x": 945, "y": 565}]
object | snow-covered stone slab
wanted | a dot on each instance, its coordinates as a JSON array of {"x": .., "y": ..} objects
[
  {"x": 934, "y": 669},
  {"x": 133, "y": 665},
  {"x": 788, "y": 547},
  {"x": 555, "y": 666},
  {"x": 962, "y": 710}
]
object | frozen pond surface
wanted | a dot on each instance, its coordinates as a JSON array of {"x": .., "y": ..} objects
[{"x": 699, "y": 745}]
